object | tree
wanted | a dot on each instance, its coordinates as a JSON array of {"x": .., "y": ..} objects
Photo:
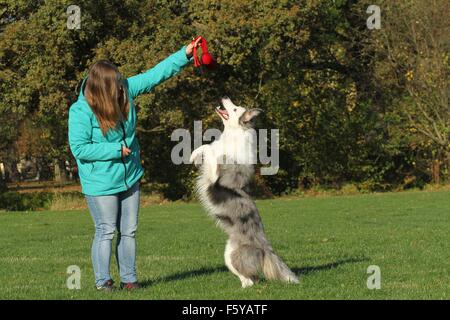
[
  {"x": 42, "y": 62},
  {"x": 416, "y": 43},
  {"x": 353, "y": 105}
]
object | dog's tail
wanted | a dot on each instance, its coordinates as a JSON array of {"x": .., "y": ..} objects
[{"x": 274, "y": 268}]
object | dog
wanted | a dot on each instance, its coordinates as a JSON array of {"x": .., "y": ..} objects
[{"x": 226, "y": 168}]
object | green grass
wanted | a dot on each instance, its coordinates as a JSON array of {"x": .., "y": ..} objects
[{"x": 328, "y": 241}]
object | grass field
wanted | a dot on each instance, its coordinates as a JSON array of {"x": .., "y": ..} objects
[{"x": 328, "y": 241}]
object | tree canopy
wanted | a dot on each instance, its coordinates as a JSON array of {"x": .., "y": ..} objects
[{"x": 353, "y": 104}]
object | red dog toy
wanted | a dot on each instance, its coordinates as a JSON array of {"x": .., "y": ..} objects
[{"x": 206, "y": 59}]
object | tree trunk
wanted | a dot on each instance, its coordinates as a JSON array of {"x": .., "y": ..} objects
[
  {"x": 12, "y": 174},
  {"x": 447, "y": 166},
  {"x": 436, "y": 171},
  {"x": 60, "y": 171},
  {"x": 2, "y": 185}
]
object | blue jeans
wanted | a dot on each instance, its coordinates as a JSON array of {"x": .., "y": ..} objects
[{"x": 118, "y": 211}]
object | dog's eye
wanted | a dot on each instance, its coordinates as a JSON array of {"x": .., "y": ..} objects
[{"x": 234, "y": 110}]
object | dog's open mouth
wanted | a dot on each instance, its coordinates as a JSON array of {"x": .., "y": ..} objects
[{"x": 221, "y": 111}]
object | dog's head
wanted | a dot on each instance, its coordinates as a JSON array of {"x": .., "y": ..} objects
[{"x": 235, "y": 116}]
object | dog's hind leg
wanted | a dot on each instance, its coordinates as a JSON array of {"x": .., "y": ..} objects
[{"x": 229, "y": 248}]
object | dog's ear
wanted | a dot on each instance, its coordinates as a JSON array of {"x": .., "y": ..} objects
[{"x": 249, "y": 115}]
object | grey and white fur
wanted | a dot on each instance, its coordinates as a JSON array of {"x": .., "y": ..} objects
[{"x": 226, "y": 168}]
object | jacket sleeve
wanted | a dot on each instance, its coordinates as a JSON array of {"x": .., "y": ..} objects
[
  {"x": 144, "y": 82},
  {"x": 81, "y": 144}
]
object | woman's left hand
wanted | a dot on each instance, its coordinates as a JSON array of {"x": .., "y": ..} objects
[{"x": 191, "y": 46}]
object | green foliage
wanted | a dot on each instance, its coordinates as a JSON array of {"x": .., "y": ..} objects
[
  {"x": 346, "y": 111},
  {"x": 14, "y": 201}
]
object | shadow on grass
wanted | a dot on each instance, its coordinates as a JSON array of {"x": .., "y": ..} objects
[
  {"x": 328, "y": 266},
  {"x": 184, "y": 275},
  {"x": 207, "y": 271}
]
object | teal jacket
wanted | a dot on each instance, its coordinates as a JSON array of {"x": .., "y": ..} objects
[{"x": 101, "y": 169}]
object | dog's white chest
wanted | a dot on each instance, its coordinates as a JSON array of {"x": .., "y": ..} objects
[{"x": 236, "y": 146}]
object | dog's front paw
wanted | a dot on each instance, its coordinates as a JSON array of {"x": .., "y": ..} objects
[
  {"x": 196, "y": 156},
  {"x": 246, "y": 283},
  {"x": 292, "y": 279}
]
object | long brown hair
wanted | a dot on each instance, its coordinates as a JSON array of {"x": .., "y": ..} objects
[{"x": 106, "y": 94}]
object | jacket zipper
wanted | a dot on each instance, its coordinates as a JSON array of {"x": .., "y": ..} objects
[{"x": 123, "y": 160}]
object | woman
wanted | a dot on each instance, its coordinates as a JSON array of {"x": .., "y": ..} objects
[{"x": 102, "y": 125}]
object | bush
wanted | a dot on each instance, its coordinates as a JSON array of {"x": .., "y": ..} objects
[
  {"x": 61, "y": 201},
  {"x": 349, "y": 189},
  {"x": 2, "y": 185},
  {"x": 15, "y": 201}
]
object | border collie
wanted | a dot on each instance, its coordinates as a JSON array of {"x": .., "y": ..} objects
[{"x": 226, "y": 168}]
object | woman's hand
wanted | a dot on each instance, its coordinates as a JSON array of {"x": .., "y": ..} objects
[
  {"x": 125, "y": 151},
  {"x": 191, "y": 46}
]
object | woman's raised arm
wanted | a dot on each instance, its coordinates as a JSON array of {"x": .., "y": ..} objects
[{"x": 144, "y": 82}]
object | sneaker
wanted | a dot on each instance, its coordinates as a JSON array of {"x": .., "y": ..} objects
[
  {"x": 130, "y": 285},
  {"x": 107, "y": 286}
]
